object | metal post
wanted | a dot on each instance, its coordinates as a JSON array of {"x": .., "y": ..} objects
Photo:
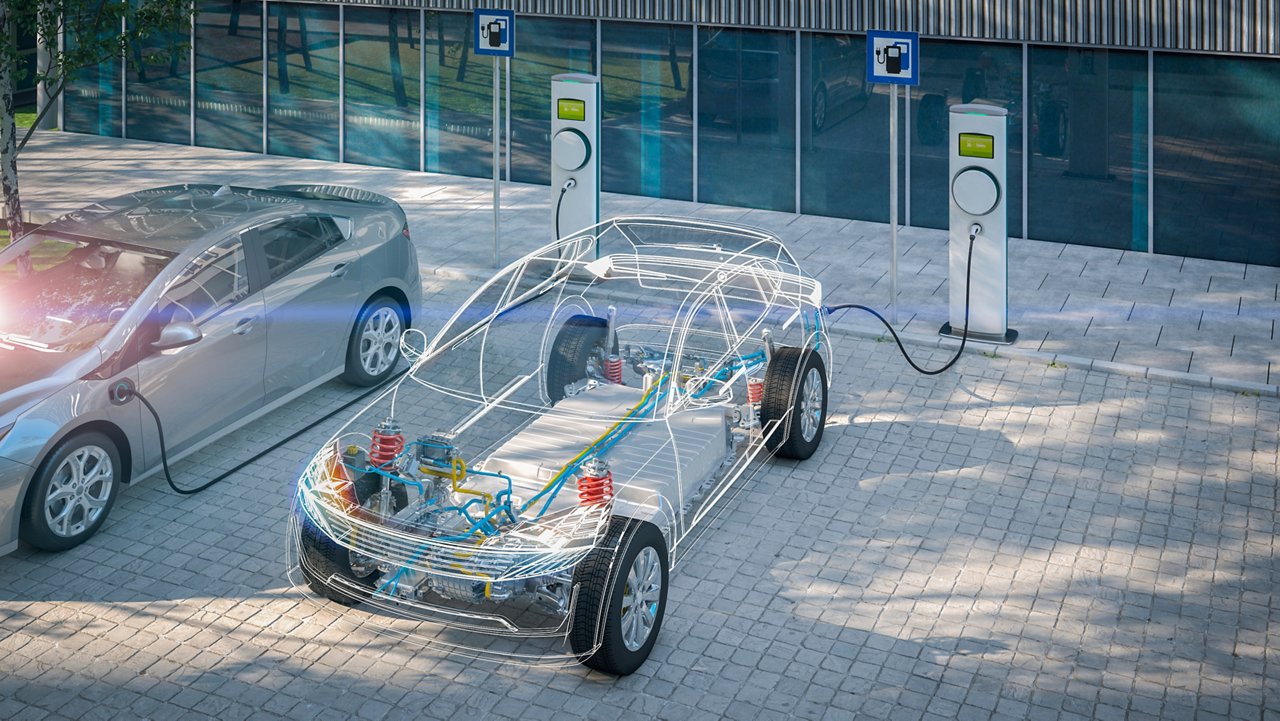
[
  {"x": 893, "y": 204},
  {"x": 497, "y": 185},
  {"x": 506, "y": 116}
]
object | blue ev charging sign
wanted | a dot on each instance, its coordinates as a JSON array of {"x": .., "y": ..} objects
[
  {"x": 495, "y": 33},
  {"x": 893, "y": 57}
]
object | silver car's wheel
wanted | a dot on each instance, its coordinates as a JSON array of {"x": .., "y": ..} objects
[
  {"x": 640, "y": 598},
  {"x": 380, "y": 341},
  {"x": 72, "y": 493},
  {"x": 79, "y": 491},
  {"x": 374, "y": 348}
]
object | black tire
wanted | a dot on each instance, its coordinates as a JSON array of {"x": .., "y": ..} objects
[
  {"x": 576, "y": 341},
  {"x": 819, "y": 110},
  {"x": 321, "y": 558},
  {"x": 355, "y": 372},
  {"x": 931, "y": 126},
  {"x": 787, "y": 382},
  {"x": 601, "y": 578},
  {"x": 1053, "y": 129},
  {"x": 63, "y": 468}
]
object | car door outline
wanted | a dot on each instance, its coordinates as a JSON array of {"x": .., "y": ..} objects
[
  {"x": 309, "y": 305},
  {"x": 213, "y": 383}
]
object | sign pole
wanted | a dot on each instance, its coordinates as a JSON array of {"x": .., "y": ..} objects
[
  {"x": 893, "y": 204},
  {"x": 497, "y": 186}
]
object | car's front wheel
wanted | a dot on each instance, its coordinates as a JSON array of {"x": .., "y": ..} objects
[
  {"x": 374, "y": 347},
  {"x": 622, "y": 595},
  {"x": 795, "y": 397},
  {"x": 72, "y": 493}
]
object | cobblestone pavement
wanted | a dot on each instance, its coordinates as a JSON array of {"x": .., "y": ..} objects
[{"x": 1011, "y": 540}]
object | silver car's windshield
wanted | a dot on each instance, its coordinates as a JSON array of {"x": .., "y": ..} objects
[{"x": 64, "y": 294}]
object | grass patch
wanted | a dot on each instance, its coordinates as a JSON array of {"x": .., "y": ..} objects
[{"x": 25, "y": 118}]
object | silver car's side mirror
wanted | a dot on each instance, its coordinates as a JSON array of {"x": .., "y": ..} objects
[{"x": 178, "y": 334}]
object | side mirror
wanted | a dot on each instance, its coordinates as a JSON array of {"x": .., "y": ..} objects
[{"x": 178, "y": 334}]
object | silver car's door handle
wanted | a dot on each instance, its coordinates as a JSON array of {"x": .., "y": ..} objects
[
  {"x": 338, "y": 271},
  {"x": 244, "y": 326}
]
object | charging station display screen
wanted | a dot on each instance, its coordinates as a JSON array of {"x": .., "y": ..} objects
[
  {"x": 569, "y": 109},
  {"x": 977, "y": 145}
]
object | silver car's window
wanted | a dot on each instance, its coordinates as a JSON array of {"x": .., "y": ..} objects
[
  {"x": 290, "y": 243},
  {"x": 211, "y": 283},
  {"x": 61, "y": 294}
]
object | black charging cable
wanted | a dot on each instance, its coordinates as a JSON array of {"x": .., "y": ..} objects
[
  {"x": 968, "y": 272},
  {"x": 124, "y": 391},
  {"x": 570, "y": 183}
]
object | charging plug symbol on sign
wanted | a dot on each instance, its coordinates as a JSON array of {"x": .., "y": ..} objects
[
  {"x": 893, "y": 57},
  {"x": 495, "y": 33}
]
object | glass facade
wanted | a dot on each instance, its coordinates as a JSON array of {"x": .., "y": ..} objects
[
  {"x": 726, "y": 116},
  {"x": 844, "y": 132},
  {"x": 381, "y": 65},
  {"x": 746, "y": 118},
  {"x": 302, "y": 81},
  {"x": 159, "y": 89},
  {"x": 228, "y": 48},
  {"x": 954, "y": 72},
  {"x": 547, "y": 47},
  {"x": 91, "y": 100},
  {"x": 1217, "y": 158},
  {"x": 1087, "y": 152},
  {"x": 647, "y": 118}
]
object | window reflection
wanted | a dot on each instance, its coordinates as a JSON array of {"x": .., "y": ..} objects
[
  {"x": 746, "y": 118},
  {"x": 92, "y": 99},
  {"x": 647, "y": 133},
  {"x": 845, "y": 137},
  {"x": 228, "y": 47},
  {"x": 382, "y": 87},
  {"x": 459, "y": 98},
  {"x": 302, "y": 81}
]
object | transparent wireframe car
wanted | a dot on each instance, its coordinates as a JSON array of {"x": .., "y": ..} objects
[{"x": 524, "y": 490}]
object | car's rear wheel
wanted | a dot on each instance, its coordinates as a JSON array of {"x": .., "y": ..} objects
[
  {"x": 72, "y": 493},
  {"x": 578, "y": 339},
  {"x": 373, "y": 349},
  {"x": 795, "y": 396},
  {"x": 622, "y": 596}
]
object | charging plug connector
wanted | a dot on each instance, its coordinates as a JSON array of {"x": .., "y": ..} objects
[
  {"x": 569, "y": 184},
  {"x": 974, "y": 231}
]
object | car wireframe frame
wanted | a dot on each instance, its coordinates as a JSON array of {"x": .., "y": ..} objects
[
  {"x": 216, "y": 303},
  {"x": 525, "y": 489}
]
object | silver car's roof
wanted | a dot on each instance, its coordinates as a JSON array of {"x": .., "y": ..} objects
[{"x": 171, "y": 218}]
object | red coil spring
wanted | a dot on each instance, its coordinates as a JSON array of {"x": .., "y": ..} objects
[
  {"x": 613, "y": 369},
  {"x": 595, "y": 490},
  {"x": 755, "y": 390},
  {"x": 385, "y": 446}
]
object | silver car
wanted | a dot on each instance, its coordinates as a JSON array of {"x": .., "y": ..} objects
[{"x": 216, "y": 303}]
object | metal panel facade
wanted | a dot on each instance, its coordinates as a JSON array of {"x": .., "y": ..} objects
[{"x": 1250, "y": 27}]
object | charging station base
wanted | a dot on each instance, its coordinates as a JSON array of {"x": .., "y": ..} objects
[{"x": 1009, "y": 337}]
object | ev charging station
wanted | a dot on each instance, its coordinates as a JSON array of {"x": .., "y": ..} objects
[
  {"x": 575, "y": 152},
  {"x": 979, "y": 215}
]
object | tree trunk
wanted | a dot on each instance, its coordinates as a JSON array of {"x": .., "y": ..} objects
[{"x": 9, "y": 149}]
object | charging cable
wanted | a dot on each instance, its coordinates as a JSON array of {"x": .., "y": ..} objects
[
  {"x": 974, "y": 231},
  {"x": 124, "y": 391},
  {"x": 568, "y": 185}
]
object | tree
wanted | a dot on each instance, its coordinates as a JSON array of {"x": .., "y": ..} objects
[{"x": 93, "y": 32}]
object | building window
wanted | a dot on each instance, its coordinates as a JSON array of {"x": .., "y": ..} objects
[
  {"x": 1087, "y": 152},
  {"x": 1217, "y": 158},
  {"x": 228, "y": 47},
  {"x": 952, "y": 73},
  {"x": 382, "y": 101},
  {"x": 746, "y": 118},
  {"x": 92, "y": 98},
  {"x": 159, "y": 89},
  {"x": 545, "y": 47},
  {"x": 302, "y": 81},
  {"x": 459, "y": 98},
  {"x": 844, "y": 135},
  {"x": 647, "y": 133}
]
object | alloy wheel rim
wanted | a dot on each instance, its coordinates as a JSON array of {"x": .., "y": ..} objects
[
  {"x": 378, "y": 341},
  {"x": 79, "y": 491},
  {"x": 811, "y": 405},
  {"x": 640, "y": 598}
]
